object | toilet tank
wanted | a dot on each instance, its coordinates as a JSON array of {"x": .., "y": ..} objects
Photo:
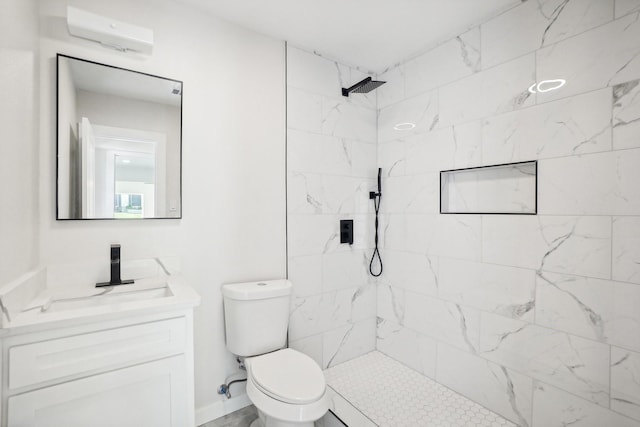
[{"x": 256, "y": 316}]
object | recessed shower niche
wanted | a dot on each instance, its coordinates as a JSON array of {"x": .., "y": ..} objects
[{"x": 497, "y": 189}]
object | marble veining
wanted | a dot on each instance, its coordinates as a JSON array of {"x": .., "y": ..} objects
[
  {"x": 626, "y": 115},
  {"x": 598, "y": 309},
  {"x": 566, "y": 361},
  {"x": 540, "y": 23},
  {"x": 557, "y": 408},
  {"x": 574, "y": 125},
  {"x": 589, "y": 59},
  {"x": 625, "y": 382},
  {"x": 626, "y": 249}
]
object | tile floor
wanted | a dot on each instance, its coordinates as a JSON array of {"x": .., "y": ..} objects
[
  {"x": 240, "y": 418},
  {"x": 388, "y": 394},
  {"x": 393, "y": 395}
]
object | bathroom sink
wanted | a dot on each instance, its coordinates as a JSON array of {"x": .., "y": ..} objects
[{"x": 106, "y": 298}]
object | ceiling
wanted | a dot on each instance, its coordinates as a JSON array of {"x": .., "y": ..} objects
[{"x": 369, "y": 34}]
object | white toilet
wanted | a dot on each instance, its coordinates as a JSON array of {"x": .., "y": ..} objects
[{"x": 286, "y": 386}]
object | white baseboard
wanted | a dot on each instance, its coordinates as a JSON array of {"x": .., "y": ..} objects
[{"x": 221, "y": 408}]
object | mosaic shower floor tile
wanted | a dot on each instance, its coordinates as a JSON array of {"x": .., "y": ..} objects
[{"x": 393, "y": 395}]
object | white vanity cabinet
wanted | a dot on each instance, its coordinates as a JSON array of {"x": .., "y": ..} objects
[{"x": 132, "y": 371}]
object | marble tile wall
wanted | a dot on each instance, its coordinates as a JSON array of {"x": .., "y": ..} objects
[
  {"x": 331, "y": 158},
  {"x": 535, "y": 317}
]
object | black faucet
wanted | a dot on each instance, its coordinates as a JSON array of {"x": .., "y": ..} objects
[{"x": 115, "y": 270}]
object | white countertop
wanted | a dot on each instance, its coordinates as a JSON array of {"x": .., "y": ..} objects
[{"x": 30, "y": 305}]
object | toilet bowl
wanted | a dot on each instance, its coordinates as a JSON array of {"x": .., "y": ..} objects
[{"x": 288, "y": 389}]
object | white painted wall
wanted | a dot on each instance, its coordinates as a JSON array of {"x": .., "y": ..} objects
[
  {"x": 233, "y": 225},
  {"x": 18, "y": 138}
]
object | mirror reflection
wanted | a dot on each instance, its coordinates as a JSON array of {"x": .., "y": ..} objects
[{"x": 119, "y": 143}]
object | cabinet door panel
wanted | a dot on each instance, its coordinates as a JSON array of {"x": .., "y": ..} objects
[
  {"x": 62, "y": 357},
  {"x": 152, "y": 394}
]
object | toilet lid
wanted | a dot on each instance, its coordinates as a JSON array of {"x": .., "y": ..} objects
[{"x": 288, "y": 376}]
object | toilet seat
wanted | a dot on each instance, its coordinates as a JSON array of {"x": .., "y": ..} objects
[{"x": 288, "y": 376}]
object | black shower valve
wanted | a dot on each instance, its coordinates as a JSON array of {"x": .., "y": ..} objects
[
  {"x": 373, "y": 195},
  {"x": 346, "y": 231}
]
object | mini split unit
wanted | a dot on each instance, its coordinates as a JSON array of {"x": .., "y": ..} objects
[{"x": 109, "y": 32}]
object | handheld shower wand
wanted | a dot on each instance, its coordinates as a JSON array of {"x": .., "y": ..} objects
[{"x": 376, "y": 197}]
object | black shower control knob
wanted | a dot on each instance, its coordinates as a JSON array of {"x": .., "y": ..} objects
[{"x": 346, "y": 231}]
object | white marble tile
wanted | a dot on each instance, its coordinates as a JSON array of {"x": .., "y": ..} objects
[
  {"x": 408, "y": 347},
  {"x": 363, "y": 159},
  {"x": 311, "y": 346},
  {"x": 597, "y": 309},
  {"x": 312, "y": 234},
  {"x": 421, "y": 110},
  {"x": 305, "y": 193},
  {"x": 498, "y": 189},
  {"x": 394, "y": 90},
  {"x": 339, "y": 194},
  {"x": 447, "y": 62},
  {"x": 391, "y": 302},
  {"x": 363, "y": 232},
  {"x": 444, "y": 149},
  {"x": 392, "y": 158},
  {"x": 506, "y": 291},
  {"x": 625, "y": 382},
  {"x": 348, "y": 342},
  {"x": 311, "y": 193},
  {"x": 315, "y": 314},
  {"x": 362, "y": 301},
  {"x": 626, "y": 249},
  {"x": 393, "y": 232},
  {"x": 343, "y": 118},
  {"x": 493, "y": 386},
  {"x": 555, "y": 408},
  {"x": 575, "y": 364},
  {"x": 305, "y": 151},
  {"x": 624, "y": 7},
  {"x": 316, "y": 74},
  {"x": 605, "y": 56},
  {"x": 457, "y": 236},
  {"x": 422, "y": 194},
  {"x": 395, "y": 194},
  {"x": 626, "y": 115},
  {"x": 305, "y": 272},
  {"x": 562, "y": 244},
  {"x": 342, "y": 270},
  {"x": 411, "y": 194},
  {"x": 599, "y": 184},
  {"x": 497, "y": 90},
  {"x": 535, "y": 24},
  {"x": 336, "y": 156},
  {"x": 442, "y": 320},
  {"x": 313, "y": 73},
  {"x": 304, "y": 111},
  {"x": 411, "y": 271},
  {"x": 575, "y": 125}
]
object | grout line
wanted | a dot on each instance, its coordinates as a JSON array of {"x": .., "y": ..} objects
[{"x": 611, "y": 253}]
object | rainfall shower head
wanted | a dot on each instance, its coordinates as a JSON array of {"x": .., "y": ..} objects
[{"x": 364, "y": 86}]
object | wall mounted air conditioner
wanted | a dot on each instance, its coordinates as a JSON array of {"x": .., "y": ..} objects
[{"x": 109, "y": 32}]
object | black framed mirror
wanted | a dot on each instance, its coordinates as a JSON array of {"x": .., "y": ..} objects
[{"x": 119, "y": 143}]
